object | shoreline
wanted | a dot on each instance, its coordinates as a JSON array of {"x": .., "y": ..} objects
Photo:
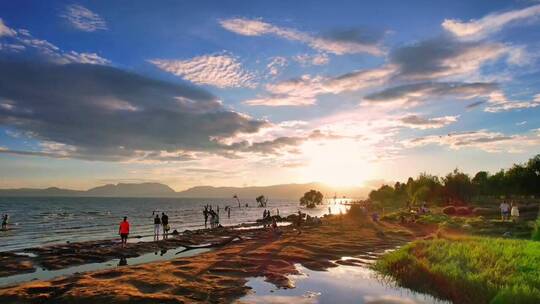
[
  {"x": 220, "y": 275},
  {"x": 64, "y": 255}
]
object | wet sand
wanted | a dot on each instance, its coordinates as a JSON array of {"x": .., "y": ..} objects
[{"x": 218, "y": 276}]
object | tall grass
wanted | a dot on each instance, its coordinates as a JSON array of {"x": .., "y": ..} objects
[{"x": 468, "y": 269}]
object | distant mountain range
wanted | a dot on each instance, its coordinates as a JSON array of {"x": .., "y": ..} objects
[{"x": 288, "y": 191}]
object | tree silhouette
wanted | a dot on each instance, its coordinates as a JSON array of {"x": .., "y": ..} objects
[{"x": 311, "y": 199}]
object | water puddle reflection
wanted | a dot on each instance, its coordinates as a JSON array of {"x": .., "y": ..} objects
[
  {"x": 342, "y": 284},
  {"x": 43, "y": 274}
]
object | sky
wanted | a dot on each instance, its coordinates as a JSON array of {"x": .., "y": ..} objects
[{"x": 241, "y": 93}]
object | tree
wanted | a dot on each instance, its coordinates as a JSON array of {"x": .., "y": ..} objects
[
  {"x": 311, "y": 199},
  {"x": 481, "y": 182},
  {"x": 458, "y": 186},
  {"x": 261, "y": 200}
]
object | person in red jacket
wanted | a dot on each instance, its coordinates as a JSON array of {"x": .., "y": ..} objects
[{"x": 124, "y": 231}]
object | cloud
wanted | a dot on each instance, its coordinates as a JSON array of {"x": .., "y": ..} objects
[
  {"x": 256, "y": 27},
  {"x": 23, "y": 43},
  {"x": 220, "y": 70},
  {"x": 445, "y": 56},
  {"x": 413, "y": 94},
  {"x": 83, "y": 19},
  {"x": 498, "y": 102},
  {"x": 418, "y": 122},
  {"x": 5, "y": 30},
  {"x": 276, "y": 64},
  {"x": 492, "y": 23},
  {"x": 115, "y": 115},
  {"x": 482, "y": 140},
  {"x": 304, "y": 90},
  {"x": 317, "y": 59}
]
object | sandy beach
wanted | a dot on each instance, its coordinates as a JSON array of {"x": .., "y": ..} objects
[{"x": 216, "y": 276}]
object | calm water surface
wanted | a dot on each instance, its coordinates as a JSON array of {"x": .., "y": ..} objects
[{"x": 42, "y": 221}]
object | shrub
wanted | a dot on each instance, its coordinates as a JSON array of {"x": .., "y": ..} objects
[{"x": 449, "y": 210}]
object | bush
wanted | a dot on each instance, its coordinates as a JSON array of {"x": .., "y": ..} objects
[{"x": 449, "y": 210}]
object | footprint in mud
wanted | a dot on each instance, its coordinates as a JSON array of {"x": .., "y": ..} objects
[{"x": 145, "y": 287}]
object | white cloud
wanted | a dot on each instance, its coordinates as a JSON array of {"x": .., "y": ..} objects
[
  {"x": 482, "y": 139},
  {"x": 88, "y": 58},
  {"x": 220, "y": 70},
  {"x": 418, "y": 122},
  {"x": 304, "y": 90},
  {"x": 481, "y": 28},
  {"x": 254, "y": 27},
  {"x": 498, "y": 102},
  {"x": 24, "y": 41},
  {"x": 276, "y": 64},
  {"x": 317, "y": 59},
  {"x": 83, "y": 19},
  {"x": 5, "y": 30}
]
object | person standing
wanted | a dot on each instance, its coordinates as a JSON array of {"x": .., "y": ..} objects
[
  {"x": 157, "y": 225},
  {"x": 205, "y": 214},
  {"x": 505, "y": 210},
  {"x": 165, "y": 224},
  {"x": 123, "y": 230},
  {"x": 5, "y": 222},
  {"x": 514, "y": 212}
]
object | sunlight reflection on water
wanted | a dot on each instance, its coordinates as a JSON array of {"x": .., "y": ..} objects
[{"x": 342, "y": 284}]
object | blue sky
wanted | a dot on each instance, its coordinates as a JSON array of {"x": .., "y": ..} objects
[{"x": 264, "y": 92}]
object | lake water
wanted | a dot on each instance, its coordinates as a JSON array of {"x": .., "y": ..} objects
[{"x": 41, "y": 221}]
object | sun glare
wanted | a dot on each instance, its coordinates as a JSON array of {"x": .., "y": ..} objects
[{"x": 337, "y": 163}]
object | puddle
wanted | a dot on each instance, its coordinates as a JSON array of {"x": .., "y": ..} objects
[
  {"x": 343, "y": 284},
  {"x": 41, "y": 274}
]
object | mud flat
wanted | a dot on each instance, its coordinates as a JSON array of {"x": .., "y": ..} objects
[{"x": 220, "y": 275}]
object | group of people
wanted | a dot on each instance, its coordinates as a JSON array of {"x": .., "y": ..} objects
[
  {"x": 161, "y": 224},
  {"x": 509, "y": 211},
  {"x": 213, "y": 216}
]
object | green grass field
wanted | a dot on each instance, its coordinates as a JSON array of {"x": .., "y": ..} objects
[{"x": 468, "y": 269}]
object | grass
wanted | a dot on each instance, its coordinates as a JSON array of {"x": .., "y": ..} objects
[
  {"x": 468, "y": 269},
  {"x": 474, "y": 225}
]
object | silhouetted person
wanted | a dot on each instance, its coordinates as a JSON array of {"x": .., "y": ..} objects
[
  {"x": 205, "y": 214},
  {"x": 157, "y": 226},
  {"x": 165, "y": 224}
]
